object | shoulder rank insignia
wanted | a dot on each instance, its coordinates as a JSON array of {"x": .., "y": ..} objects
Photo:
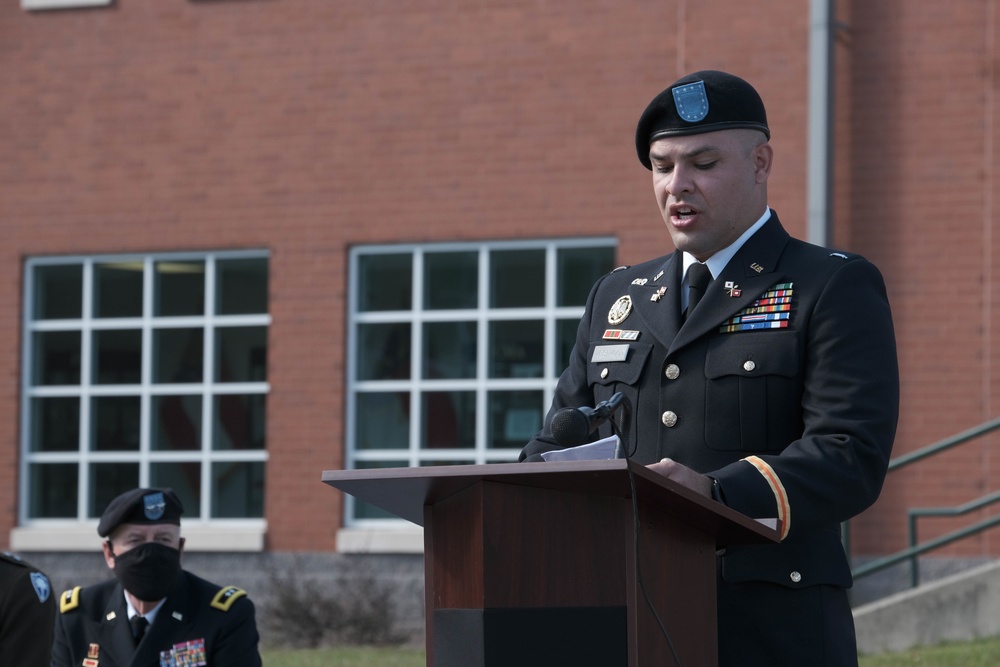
[
  {"x": 69, "y": 600},
  {"x": 226, "y": 596}
]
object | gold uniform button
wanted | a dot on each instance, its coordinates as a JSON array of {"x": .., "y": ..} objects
[
  {"x": 749, "y": 366},
  {"x": 795, "y": 577},
  {"x": 604, "y": 373},
  {"x": 672, "y": 371},
  {"x": 669, "y": 418}
]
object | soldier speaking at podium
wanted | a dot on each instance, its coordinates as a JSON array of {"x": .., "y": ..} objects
[
  {"x": 153, "y": 613},
  {"x": 755, "y": 368}
]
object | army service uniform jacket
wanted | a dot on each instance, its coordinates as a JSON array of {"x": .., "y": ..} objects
[
  {"x": 27, "y": 610},
  {"x": 199, "y": 624},
  {"x": 783, "y": 385}
]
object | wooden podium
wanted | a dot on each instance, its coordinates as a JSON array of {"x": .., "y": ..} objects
[{"x": 547, "y": 564}]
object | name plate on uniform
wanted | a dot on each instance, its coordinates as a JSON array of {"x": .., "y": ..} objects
[{"x": 604, "y": 353}]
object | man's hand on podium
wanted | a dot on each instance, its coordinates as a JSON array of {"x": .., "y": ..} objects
[{"x": 684, "y": 476}]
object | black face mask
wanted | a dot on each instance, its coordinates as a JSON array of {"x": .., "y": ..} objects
[{"x": 148, "y": 571}]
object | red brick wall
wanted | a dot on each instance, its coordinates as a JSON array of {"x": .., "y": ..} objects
[{"x": 306, "y": 126}]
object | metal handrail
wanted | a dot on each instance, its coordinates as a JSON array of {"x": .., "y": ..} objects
[{"x": 914, "y": 549}]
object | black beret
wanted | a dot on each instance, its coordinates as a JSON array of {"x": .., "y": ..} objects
[
  {"x": 142, "y": 506},
  {"x": 705, "y": 101}
]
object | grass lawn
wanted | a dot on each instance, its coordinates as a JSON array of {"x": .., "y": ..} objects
[{"x": 980, "y": 653}]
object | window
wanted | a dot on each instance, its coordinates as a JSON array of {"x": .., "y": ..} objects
[
  {"x": 455, "y": 350},
  {"x": 145, "y": 371}
]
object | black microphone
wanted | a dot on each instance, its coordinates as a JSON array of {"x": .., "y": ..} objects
[{"x": 572, "y": 426}]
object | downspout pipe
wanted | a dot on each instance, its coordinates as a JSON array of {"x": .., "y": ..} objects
[{"x": 820, "y": 148}]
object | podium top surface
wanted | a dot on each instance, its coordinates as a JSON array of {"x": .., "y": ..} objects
[{"x": 405, "y": 491}]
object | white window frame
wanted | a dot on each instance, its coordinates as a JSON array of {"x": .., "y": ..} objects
[
  {"x": 30, "y": 5},
  {"x": 363, "y": 534},
  {"x": 47, "y": 534}
]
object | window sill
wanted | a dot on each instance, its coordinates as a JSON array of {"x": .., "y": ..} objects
[
  {"x": 83, "y": 537},
  {"x": 403, "y": 540},
  {"x": 62, "y": 4}
]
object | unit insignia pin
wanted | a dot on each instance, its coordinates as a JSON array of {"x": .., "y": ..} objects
[
  {"x": 640, "y": 281},
  {"x": 732, "y": 289},
  {"x": 658, "y": 294},
  {"x": 620, "y": 310}
]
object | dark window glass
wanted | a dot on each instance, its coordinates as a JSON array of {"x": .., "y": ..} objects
[
  {"x": 384, "y": 351},
  {"x": 118, "y": 290},
  {"x": 237, "y": 489},
  {"x": 385, "y": 282},
  {"x": 577, "y": 270},
  {"x": 241, "y": 354},
  {"x": 565, "y": 338},
  {"x": 184, "y": 477},
  {"x": 108, "y": 480},
  {"x": 382, "y": 420},
  {"x": 55, "y": 358},
  {"x": 239, "y": 421},
  {"x": 451, "y": 280},
  {"x": 448, "y": 418},
  {"x": 118, "y": 356},
  {"x": 58, "y": 292},
  {"x": 449, "y": 350},
  {"x": 178, "y": 355},
  {"x": 53, "y": 490},
  {"x": 517, "y": 278},
  {"x": 55, "y": 424},
  {"x": 514, "y": 417},
  {"x": 241, "y": 286},
  {"x": 517, "y": 348},
  {"x": 115, "y": 423},
  {"x": 175, "y": 423},
  {"x": 179, "y": 288}
]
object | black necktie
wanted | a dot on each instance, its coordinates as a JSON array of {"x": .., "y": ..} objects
[
  {"x": 698, "y": 279},
  {"x": 139, "y": 625}
]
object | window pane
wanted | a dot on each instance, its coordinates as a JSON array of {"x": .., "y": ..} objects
[
  {"x": 177, "y": 355},
  {"x": 382, "y": 420},
  {"x": 118, "y": 289},
  {"x": 451, "y": 280},
  {"x": 577, "y": 270},
  {"x": 515, "y": 416},
  {"x": 55, "y": 424},
  {"x": 118, "y": 356},
  {"x": 55, "y": 358},
  {"x": 365, "y": 510},
  {"x": 115, "y": 423},
  {"x": 385, "y": 282},
  {"x": 239, "y": 421},
  {"x": 241, "y": 354},
  {"x": 565, "y": 337},
  {"x": 53, "y": 491},
  {"x": 241, "y": 286},
  {"x": 449, "y": 350},
  {"x": 517, "y": 349},
  {"x": 449, "y": 419},
  {"x": 517, "y": 278},
  {"x": 108, "y": 480},
  {"x": 237, "y": 489},
  {"x": 384, "y": 351},
  {"x": 58, "y": 292},
  {"x": 184, "y": 477},
  {"x": 179, "y": 288},
  {"x": 175, "y": 423}
]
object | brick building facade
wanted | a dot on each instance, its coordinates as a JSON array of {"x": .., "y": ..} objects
[{"x": 295, "y": 131}]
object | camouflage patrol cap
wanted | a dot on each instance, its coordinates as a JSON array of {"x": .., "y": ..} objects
[
  {"x": 705, "y": 101},
  {"x": 141, "y": 506}
]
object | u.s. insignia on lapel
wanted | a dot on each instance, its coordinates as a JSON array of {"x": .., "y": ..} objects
[
  {"x": 773, "y": 310},
  {"x": 620, "y": 310}
]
